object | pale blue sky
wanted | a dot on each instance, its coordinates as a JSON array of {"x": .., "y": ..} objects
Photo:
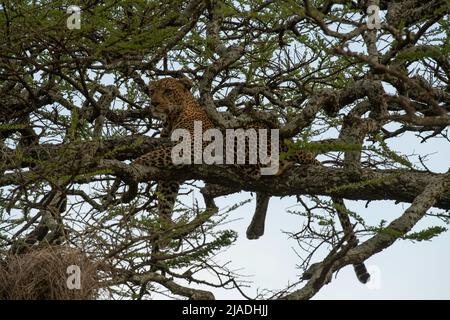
[{"x": 406, "y": 270}]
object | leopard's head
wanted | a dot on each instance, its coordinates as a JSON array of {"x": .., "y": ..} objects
[{"x": 167, "y": 96}]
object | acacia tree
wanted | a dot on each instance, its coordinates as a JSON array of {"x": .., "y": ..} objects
[{"x": 75, "y": 111}]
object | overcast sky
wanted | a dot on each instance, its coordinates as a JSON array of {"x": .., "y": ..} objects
[{"x": 405, "y": 270}]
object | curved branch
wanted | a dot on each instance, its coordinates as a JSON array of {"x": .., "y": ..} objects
[{"x": 434, "y": 190}]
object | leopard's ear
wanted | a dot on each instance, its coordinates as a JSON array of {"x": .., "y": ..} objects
[{"x": 187, "y": 83}]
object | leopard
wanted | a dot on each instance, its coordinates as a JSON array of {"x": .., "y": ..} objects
[{"x": 173, "y": 103}]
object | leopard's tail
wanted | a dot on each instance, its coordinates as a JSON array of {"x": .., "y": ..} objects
[
  {"x": 256, "y": 227},
  {"x": 361, "y": 272},
  {"x": 360, "y": 268}
]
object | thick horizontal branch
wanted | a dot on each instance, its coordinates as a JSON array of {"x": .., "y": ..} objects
[{"x": 397, "y": 185}]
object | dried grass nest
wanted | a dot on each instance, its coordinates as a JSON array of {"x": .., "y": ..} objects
[{"x": 42, "y": 274}]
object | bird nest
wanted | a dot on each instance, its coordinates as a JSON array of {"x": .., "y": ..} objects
[{"x": 49, "y": 273}]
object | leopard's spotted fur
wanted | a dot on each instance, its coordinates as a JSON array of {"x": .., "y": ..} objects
[{"x": 172, "y": 101}]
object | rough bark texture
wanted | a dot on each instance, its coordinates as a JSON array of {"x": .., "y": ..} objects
[{"x": 75, "y": 112}]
